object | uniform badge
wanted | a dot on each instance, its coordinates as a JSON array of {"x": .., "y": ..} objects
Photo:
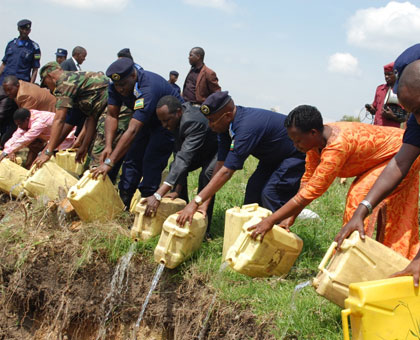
[
  {"x": 115, "y": 77},
  {"x": 232, "y": 145},
  {"x": 37, "y": 56},
  {"x": 139, "y": 104},
  {"x": 205, "y": 110}
]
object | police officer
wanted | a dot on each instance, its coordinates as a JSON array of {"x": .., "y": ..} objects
[
  {"x": 247, "y": 131},
  {"x": 173, "y": 77},
  {"x": 146, "y": 145},
  {"x": 21, "y": 56},
  {"x": 195, "y": 147},
  {"x": 60, "y": 55},
  {"x": 78, "y": 94}
]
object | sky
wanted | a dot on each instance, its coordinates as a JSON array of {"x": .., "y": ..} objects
[{"x": 267, "y": 54}]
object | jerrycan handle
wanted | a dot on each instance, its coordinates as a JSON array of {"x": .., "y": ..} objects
[
  {"x": 327, "y": 256},
  {"x": 345, "y": 313},
  {"x": 171, "y": 234},
  {"x": 32, "y": 170},
  {"x": 85, "y": 179}
]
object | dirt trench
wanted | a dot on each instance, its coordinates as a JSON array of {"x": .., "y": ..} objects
[{"x": 53, "y": 282}]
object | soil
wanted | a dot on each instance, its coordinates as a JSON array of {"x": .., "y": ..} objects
[{"x": 53, "y": 285}]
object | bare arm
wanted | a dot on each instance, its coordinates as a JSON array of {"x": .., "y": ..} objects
[
  {"x": 111, "y": 125},
  {"x": 389, "y": 179},
  {"x": 2, "y": 66},
  {"x": 34, "y": 74}
]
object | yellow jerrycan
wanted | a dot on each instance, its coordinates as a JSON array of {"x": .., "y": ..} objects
[
  {"x": 134, "y": 201},
  {"x": 67, "y": 160},
  {"x": 357, "y": 261},
  {"x": 145, "y": 227},
  {"x": 275, "y": 255},
  {"x": 235, "y": 219},
  {"x": 95, "y": 199},
  {"x": 382, "y": 309},
  {"x": 177, "y": 243},
  {"x": 46, "y": 180},
  {"x": 12, "y": 177}
]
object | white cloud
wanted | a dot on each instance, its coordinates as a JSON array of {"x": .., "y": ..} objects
[
  {"x": 224, "y": 5},
  {"x": 93, "y": 4},
  {"x": 343, "y": 63},
  {"x": 391, "y": 28}
]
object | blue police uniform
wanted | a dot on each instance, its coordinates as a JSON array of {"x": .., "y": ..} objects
[
  {"x": 412, "y": 133},
  {"x": 20, "y": 57},
  {"x": 261, "y": 133},
  {"x": 148, "y": 154},
  {"x": 176, "y": 87}
]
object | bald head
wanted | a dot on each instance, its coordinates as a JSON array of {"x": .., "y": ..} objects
[
  {"x": 409, "y": 88},
  {"x": 410, "y": 78}
]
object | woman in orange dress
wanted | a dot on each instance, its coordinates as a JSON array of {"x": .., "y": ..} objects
[{"x": 348, "y": 149}]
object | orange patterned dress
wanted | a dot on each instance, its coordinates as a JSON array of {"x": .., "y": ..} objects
[{"x": 363, "y": 151}]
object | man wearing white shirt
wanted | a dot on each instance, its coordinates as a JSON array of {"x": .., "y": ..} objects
[{"x": 78, "y": 57}]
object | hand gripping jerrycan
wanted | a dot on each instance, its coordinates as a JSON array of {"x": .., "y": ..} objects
[
  {"x": 357, "y": 261},
  {"x": 382, "y": 309},
  {"x": 95, "y": 199},
  {"x": 46, "y": 181},
  {"x": 67, "y": 160},
  {"x": 145, "y": 227},
  {"x": 12, "y": 177},
  {"x": 275, "y": 255},
  {"x": 235, "y": 219},
  {"x": 177, "y": 243}
]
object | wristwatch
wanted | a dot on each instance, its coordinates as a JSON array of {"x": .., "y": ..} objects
[
  {"x": 48, "y": 152},
  {"x": 198, "y": 200},
  {"x": 108, "y": 162},
  {"x": 157, "y": 196}
]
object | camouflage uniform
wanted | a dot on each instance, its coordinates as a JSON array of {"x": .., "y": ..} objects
[
  {"x": 86, "y": 91},
  {"x": 124, "y": 118}
]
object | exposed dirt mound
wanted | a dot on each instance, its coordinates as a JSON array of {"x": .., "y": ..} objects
[{"x": 54, "y": 281}]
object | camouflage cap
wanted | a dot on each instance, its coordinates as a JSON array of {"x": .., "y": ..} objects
[{"x": 47, "y": 69}]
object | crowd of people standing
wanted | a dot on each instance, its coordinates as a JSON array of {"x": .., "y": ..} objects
[{"x": 126, "y": 123}]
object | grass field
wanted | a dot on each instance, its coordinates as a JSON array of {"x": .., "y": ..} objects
[{"x": 309, "y": 316}]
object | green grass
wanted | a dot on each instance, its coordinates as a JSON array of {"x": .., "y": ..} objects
[{"x": 309, "y": 316}]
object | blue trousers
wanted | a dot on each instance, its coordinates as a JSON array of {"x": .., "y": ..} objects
[
  {"x": 271, "y": 186},
  {"x": 144, "y": 162}
]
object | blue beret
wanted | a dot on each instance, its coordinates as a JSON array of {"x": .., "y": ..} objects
[
  {"x": 61, "y": 52},
  {"x": 215, "y": 102},
  {"x": 124, "y": 53},
  {"x": 120, "y": 69},
  {"x": 175, "y": 73},
  {"x": 407, "y": 57},
  {"x": 24, "y": 23}
]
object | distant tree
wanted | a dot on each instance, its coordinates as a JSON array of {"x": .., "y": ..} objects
[{"x": 347, "y": 118}]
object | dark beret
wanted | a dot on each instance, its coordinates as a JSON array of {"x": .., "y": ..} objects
[
  {"x": 407, "y": 57},
  {"x": 25, "y": 23},
  {"x": 174, "y": 73},
  {"x": 120, "y": 69},
  {"x": 124, "y": 53},
  {"x": 61, "y": 52},
  {"x": 215, "y": 102}
]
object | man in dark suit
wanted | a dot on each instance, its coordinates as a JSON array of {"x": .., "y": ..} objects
[
  {"x": 195, "y": 147},
  {"x": 201, "y": 81},
  {"x": 78, "y": 57}
]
